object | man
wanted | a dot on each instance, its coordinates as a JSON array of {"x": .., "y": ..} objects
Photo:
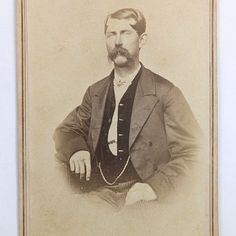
[{"x": 134, "y": 134}]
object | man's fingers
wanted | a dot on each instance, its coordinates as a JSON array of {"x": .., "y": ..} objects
[
  {"x": 80, "y": 163},
  {"x": 133, "y": 195},
  {"x": 140, "y": 192},
  {"x": 131, "y": 198},
  {"x": 81, "y": 169},
  {"x": 77, "y": 167},
  {"x": 88, "y": 168},
  {"x": 72, "y": 166}
]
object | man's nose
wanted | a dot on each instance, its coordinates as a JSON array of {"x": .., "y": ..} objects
[{"x": 118, "y": 41}]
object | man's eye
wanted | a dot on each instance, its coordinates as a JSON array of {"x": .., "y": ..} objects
[
  {"x": 108, "y": 35},
  {"x": 127, "y": 32}
]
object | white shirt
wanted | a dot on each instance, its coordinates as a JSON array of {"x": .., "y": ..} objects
[{"x": 120, "y": 84}]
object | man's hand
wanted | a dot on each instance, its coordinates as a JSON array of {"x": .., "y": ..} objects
[
  {"x": 80, "y": 163},
  {"x": 140, "y": 192}
]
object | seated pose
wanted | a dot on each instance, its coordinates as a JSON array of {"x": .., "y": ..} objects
[{"x": 134, "y": 134}]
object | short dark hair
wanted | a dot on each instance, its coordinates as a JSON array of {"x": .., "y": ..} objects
[{"x": 129, "y": 13}]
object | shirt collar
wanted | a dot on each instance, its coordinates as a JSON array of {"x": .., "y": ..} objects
[{"x": 127, "y": 79}]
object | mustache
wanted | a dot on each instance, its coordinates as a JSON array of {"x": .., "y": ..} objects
[{"x": 119, "y": 50}]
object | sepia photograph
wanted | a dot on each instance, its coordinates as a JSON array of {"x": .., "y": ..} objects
[{"x": 117, "y": 118}]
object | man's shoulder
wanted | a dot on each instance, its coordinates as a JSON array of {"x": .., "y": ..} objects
[
  {"x": 162, "y": 84},
  {"x": 100, "y": 84}
]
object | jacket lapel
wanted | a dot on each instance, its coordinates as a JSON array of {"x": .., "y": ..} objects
[
  {"x": 99, "y": 96},
  {"x": 144, "y": 102}
]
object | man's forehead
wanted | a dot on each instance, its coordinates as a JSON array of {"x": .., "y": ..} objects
[{"x": 119, "y": 24}]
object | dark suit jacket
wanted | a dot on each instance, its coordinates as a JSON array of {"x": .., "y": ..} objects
[{"x": 164, "y": 135}]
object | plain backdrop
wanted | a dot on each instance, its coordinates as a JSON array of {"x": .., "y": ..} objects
[{"x": 227, "y": 111}]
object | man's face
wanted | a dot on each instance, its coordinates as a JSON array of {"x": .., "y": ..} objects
[{"x": 122, "y": 41}]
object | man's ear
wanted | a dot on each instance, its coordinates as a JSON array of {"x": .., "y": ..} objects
[{"x": 142, "y": 40}]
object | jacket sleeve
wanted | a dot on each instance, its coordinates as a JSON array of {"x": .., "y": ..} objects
[
  {"x": 72, "y": 134},
  {"x": 183, "y": 140}
]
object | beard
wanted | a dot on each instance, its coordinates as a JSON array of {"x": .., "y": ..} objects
[{"x": 120, "y": 51}]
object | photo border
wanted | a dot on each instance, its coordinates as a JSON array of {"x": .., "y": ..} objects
[{"x": 23, "y": 213}]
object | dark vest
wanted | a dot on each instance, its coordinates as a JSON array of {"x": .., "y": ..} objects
[{"x": 113, "y": 165}]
